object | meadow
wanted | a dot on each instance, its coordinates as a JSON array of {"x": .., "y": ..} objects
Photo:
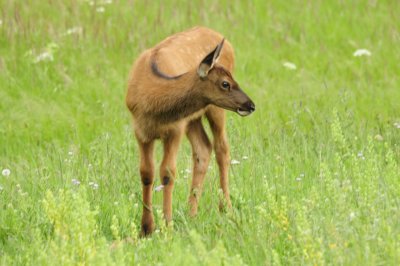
[{"x": 315, "y": 178}]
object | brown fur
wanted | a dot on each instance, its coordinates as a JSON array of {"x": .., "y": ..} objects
[{"x": 167, "y": 99}]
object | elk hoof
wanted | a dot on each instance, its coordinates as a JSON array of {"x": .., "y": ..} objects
[
  {"x": 147, "y": 229},
  {"x": 225, "y": 205}
]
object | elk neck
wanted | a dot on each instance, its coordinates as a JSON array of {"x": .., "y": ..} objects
[{"x": 181, "y": 98}]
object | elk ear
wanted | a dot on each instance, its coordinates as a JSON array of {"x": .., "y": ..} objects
[{"x": 208, "y": 62}]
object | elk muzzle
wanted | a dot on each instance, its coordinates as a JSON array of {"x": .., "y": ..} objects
[{"x": 246, "y": 108}]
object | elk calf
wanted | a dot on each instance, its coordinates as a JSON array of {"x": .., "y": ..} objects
[{"x": 171, "y": 87}]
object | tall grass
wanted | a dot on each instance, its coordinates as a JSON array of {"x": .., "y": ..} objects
[{"x": 318, "y": 178}]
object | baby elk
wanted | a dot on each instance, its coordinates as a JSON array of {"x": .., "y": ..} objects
[{"x": 171, "y": 87}]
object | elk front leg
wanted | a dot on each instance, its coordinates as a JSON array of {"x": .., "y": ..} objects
[
  {"x": 216, "y": 118},
  {"x": 201, "y": 150},
  {"x": 168, "y": 171},
  {"x": 147, "y": 178}
]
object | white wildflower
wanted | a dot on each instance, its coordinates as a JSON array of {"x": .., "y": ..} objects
[
  {"x": 396, "y": 125},
  {"x": 6, "y": 172},
  {"x": 159, "y": 188},
  {"x": 302, "y": 175},
  {"x": 188, "y": 171},
  {"x": 352, "y": 216},
  {"x": 107, "y": 2},
  {"x": 116, "y": 203},
  {"x": 235, "y": 162},
  {"x": 360, "y": 155},
  {"x": 76, "y": 182},
  {"x": 289, "y": 65},
  {"x": 94, "y": 185},
  {"x": 1, "y": 22},
  {"x": 1, "y": 187},
  {"x": 45, "y": 56},
  {"x": 70, "y": 153},
  {"x": 298, "y": 179},
  {"x": 362, "y": 52},
  {"x": 100, "y": 9},
  {"x": 245, "y": 157},
  {"x": 74, "y": 30}
]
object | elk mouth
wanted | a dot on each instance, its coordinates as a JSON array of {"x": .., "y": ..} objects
[
  {"x": 243, "y": 112},
  {"x": 246, "y": 108}
]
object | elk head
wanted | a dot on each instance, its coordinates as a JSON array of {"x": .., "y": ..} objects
[{"x": 219, "y": 87}]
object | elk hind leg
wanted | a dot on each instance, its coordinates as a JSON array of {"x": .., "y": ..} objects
[
  {"x": 168, "y": 170},
  {"x": 147, "y": 178},
  {"x": 201, "y": 151}
]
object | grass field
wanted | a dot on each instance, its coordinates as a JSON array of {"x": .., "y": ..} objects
[{"x": 318, "y": 181}]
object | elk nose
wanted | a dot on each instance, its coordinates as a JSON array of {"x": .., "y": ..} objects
[{"x": 250, "y": 106}]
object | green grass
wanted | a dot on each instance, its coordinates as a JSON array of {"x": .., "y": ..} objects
[{"x": 321, "y": 182}]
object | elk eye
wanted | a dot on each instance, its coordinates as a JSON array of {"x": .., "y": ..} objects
[{"x": 225, "y": 85}]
